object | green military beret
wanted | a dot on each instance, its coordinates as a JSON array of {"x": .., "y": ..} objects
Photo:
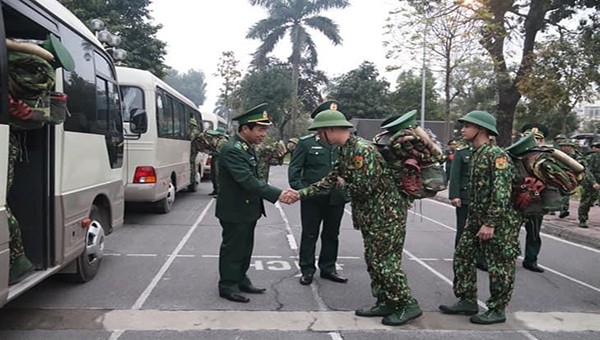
[
  {"x": 62, "y": 57},
  {"x": 522, "y": 145},
  {"x": 405, "y": 121},
  {"x": 330, "y": 104},
  {"x": 539, "y": 130},
  {"x": 257, "y": 114}
]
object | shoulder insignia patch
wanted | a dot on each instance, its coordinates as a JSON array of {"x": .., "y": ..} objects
[
  {"x": 357, "y": 161},
  {"x": 501, "y": 163},
  {"x": 238, "y": 145}
]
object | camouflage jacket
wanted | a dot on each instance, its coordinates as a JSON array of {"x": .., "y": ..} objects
[
  {"x": 592, "y": 169},
  {"x": 374, "y": 196}
]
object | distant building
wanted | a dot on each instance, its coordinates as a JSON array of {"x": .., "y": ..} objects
[{"x": 588, "y": 112}]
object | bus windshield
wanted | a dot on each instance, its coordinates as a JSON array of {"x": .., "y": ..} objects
[{"x": 133, "y": 98}]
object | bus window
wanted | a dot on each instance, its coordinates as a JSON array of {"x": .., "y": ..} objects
[
  {"x": 80, "y": 84},
  {"x": 164, "y": 115},
  {"x": 179, "y": 121},
  {"x": 133, "y": 98},
  {"x": 114, "y": 136}
]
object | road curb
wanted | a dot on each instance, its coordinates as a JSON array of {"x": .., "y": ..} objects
[{"x": 564, "y": 230}]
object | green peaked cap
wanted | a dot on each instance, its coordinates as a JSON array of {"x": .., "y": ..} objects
[
  {"x": 62, "y": 57},
  {"x": 482, "y": 119},
  {"x": 330, "y": 104},
  {"x": 213, "y": 132},
  {"x": 539, "y": 129},
  {"x": 406, "y": 120},
  {"x": 257, "y": 114},
  {"x": 522, "y": 145}
]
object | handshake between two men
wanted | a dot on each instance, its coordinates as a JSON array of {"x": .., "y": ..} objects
[{"x": 289, "y": 196}]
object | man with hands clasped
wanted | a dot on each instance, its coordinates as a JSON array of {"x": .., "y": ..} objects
[{"x": 240, "y": 203}]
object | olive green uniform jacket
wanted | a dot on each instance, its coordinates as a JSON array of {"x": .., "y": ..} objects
[{"x": 241, "y": 193}]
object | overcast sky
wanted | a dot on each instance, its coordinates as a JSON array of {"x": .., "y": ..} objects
[{"x": 196, "y": 32}]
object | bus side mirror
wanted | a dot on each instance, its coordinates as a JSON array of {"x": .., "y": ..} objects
[{"x": 138, "y": 121}]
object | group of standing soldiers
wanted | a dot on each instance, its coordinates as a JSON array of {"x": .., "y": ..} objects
[{"x": 331, "y": 166}]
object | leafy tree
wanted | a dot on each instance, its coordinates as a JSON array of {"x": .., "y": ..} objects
[
  {"x": 272, "y": 85},
  {"x": 407, "y": 96},
  {"x": 131, "y": 20},
  {"x": 191, "y": 84},
  {"x": 446, "y": 33},
  {"x": 362, "y": 93},
  {"x": 511, "y": 22},
  {"x": 294, "y": 17},
  {"x": 228, "y": 70},
  {"x": 563, "y": 75}
]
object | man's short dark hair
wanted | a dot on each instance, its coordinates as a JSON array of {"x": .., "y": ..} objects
[{"x": 249, "y": 125}]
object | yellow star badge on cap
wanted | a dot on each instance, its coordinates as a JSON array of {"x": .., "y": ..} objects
[{"x": 333, "y": 106}]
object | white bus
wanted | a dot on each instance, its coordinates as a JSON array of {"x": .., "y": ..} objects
[
  {"x": 68, "y": 184},
  {"x": 158, "y": 163}
]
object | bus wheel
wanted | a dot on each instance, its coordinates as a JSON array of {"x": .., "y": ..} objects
[
  {"x": 165, "y": 205},
  {"x": 88, "y": 263}
]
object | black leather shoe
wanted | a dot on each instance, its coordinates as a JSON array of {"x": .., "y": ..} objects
[
  {"x": 235, "y": 297},
  {"x": 334, "y": 277},
  {"x": 533, "y": 268},
  {"x": 252, "y": 290},
  {"x": 305, "y": 280}
]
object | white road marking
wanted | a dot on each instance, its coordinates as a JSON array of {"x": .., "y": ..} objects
[
  {"x": 290, "y": 236},
  {"x": 436, "y": 273},
  {"x": 543, "y": 234},
  {"x": 432, "y": 220},
  {"x": 115, "y": 335},
  {"x": 111, "y": 254},
  {"x": 141, "y": 255},
  {"x": 146, "y": 293}
]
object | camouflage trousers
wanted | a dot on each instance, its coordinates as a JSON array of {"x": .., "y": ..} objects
[
  {"x": 15, "y": 239},
  {"x": 501, "y": 270},
  {"x": 588, "y": 198},
  {"x": 193, "y": 169},
  {"x": 383, "y": 255},
  {"x": 263, "y": 169}
]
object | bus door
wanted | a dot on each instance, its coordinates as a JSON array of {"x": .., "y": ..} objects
[{"x": 31, "y": 196}]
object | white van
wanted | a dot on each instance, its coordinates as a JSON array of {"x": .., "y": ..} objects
[
  {"x": 68, "y": 184},
  {"x": 158, "y": 161}
]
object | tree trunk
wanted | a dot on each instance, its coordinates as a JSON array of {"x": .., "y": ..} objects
[
  {"x": 295, "y": 88},
  {"x": 448, "y": 71}
]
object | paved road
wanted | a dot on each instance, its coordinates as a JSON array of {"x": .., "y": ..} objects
[{"x": 158, "y": 281}]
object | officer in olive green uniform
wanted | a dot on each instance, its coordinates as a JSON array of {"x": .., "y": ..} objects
[
  {"x": 240, "y": 204},
  {"x": 379, "y": 210},
  {"x": 533, "y": 224},
  {"x": 314, "y": 158},
  {"x": 590, "y": 185},
  {"x": 492, "y": 227}
]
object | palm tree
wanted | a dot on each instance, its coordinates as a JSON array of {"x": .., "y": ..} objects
[{"x": 294, "y": 17}]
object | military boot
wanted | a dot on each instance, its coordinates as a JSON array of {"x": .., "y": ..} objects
[
  {"x": 489, "y": 317},
  {"x": 461, "y": 307},
  {"x": 582, "y": 224},
  {"x": 380, "y": 309},
  {"x": 403, "y": 314}
]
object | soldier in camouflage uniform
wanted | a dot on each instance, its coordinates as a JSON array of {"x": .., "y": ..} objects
[
  {"x": 492, "y": 228},
  {"x": 270, "y": 152},
  {"x": 19, "y": 263},
  {"x": 193, "y": 133},
  {"x": 211, "y": 142},
  {"x": 591, "y": 184},
  {"x": 379, "y": 211}
]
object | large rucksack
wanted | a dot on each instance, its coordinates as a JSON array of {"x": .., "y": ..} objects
[
  {"x": 543, "y": 177},
  {"x": 416, "y": 168}
]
